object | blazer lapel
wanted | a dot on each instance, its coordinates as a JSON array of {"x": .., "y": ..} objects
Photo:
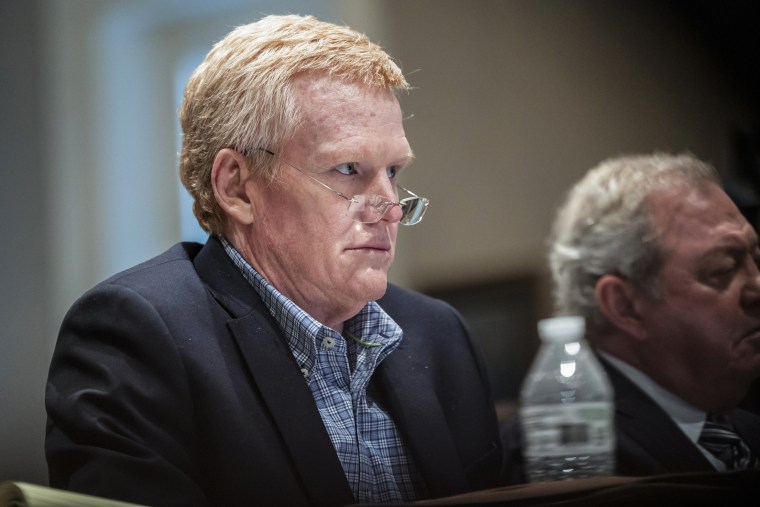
[
  {"x": 293, "y": 409},
  {"x": 277, "y": 378},
  {"x": 639, "y": 418},
  {"x": 420, "y": 419},
  {"x": 658, "y": 435}
]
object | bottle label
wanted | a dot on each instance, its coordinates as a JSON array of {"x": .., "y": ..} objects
[{"x": 581, "y": 428}]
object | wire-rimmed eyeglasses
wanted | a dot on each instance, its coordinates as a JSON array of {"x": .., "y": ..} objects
[{"x": 370, "y": 209}]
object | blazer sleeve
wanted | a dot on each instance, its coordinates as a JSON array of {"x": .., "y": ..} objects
[{"x": 118, "y": 401}]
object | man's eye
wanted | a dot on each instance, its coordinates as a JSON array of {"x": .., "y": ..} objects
[
  {"x": 719, "y": 276},
  {"x": 348, "y": 168},
  {"x": 392, "y": 171},
  {"x": 726, "y": 269}
]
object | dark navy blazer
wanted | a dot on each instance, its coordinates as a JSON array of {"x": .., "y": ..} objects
[
  {"x": 648, "y": 442},
  {"x": 171, "y": 384}
]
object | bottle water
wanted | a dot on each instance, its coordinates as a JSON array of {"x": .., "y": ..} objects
[{"x": 566, "y": 407}]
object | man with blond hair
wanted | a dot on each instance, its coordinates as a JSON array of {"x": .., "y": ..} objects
[{"x": 275, "y": 365}]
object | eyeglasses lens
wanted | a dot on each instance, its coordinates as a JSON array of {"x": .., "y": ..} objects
[
  {"x": 369, "y": 209},
  {"x": 413, "y": 209}
]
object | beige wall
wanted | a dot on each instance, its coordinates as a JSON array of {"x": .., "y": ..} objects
[{"x": 514, "y": 100}]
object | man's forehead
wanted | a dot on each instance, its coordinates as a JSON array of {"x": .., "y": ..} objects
[
  {"x": 353, "y": 115},
  {"x": 347, "y": 118},
  {"x": 702, "y": 214},
  {"x": 323, "y": 97}
]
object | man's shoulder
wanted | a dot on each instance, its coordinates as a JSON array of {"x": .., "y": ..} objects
[
  {"x": 178, "y": 253},
  {"x": 172, "y": 284},
  {"x": 165, "y": 273}
]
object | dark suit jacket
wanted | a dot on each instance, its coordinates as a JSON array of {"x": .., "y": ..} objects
[
  {"x": 648, "y": 441},
  {"x": 171, "y": 384}
]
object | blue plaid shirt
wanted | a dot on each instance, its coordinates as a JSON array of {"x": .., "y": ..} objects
[{"x": 375, "y": 460}]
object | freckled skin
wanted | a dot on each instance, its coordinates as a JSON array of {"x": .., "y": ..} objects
[{"x": 301, "y": 239}]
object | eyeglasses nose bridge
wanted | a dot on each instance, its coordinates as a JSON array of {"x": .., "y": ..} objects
[
  {"x": 381, "y": 205},
  {"x": 384, "y": 206}
]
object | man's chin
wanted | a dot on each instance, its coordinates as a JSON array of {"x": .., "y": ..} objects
[{"x": 373, "y": 284}]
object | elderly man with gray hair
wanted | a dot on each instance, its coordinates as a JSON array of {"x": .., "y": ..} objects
[{"x": 664, "y": 268}]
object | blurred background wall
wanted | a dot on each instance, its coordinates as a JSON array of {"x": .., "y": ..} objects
[{"x": 514, "y": 100}]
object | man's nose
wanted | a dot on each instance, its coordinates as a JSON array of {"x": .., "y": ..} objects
[
  {"x": 383, "y": 186},
  {"x": 393, "y": 213},
  {"x": 751, "y": 289}
]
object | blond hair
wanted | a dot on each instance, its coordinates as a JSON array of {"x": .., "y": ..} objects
[{"x": 240, "y": 96}]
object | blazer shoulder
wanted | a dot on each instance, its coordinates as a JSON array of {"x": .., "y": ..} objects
[
  {"x": 170, "y": 276},
  {"x": 177, "y": 254}
]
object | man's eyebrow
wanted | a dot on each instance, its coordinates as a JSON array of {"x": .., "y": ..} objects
[
  {"x": 408, "y": 159},
  {"x": 733, "y": 247}
]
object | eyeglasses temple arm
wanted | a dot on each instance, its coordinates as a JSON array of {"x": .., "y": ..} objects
[{"x": 409, "y": 192}]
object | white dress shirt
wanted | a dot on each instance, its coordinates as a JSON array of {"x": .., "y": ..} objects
[{"x": 687, "y": 417}]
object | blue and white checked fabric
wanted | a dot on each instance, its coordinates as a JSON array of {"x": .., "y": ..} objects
[{"x": 338, "y": 369}]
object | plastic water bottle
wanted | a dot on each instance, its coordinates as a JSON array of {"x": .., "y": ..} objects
[{"x": 566, "y": 407}]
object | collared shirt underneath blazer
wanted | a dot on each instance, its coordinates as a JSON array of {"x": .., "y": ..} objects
[
  {"x": 648, "y": 441},
  {"x": 171, "y": 384}
]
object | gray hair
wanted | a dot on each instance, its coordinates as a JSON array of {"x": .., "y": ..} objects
[
  {"x": 241, "y": 95},
  {"x": 605, "y": 227}
]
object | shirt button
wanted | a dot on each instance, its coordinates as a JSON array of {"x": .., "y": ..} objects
[
  {"x": 305, "y": 372},
  {"x": 329, "y": 342}
]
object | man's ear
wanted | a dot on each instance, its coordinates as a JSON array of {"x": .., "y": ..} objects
[
  {"x": 617, "y": 299},
  {"x": 228, "y": 178}
]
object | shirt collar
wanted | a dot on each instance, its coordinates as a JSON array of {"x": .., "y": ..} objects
[
  {"x": 371, "y": 327},
  {"x": 686, "y": 416}
]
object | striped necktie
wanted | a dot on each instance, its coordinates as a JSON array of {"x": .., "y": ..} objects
[{"x": 719, "y": 437}]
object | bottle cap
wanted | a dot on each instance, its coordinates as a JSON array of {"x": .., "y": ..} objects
[{"x": 562, "y": 329}]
